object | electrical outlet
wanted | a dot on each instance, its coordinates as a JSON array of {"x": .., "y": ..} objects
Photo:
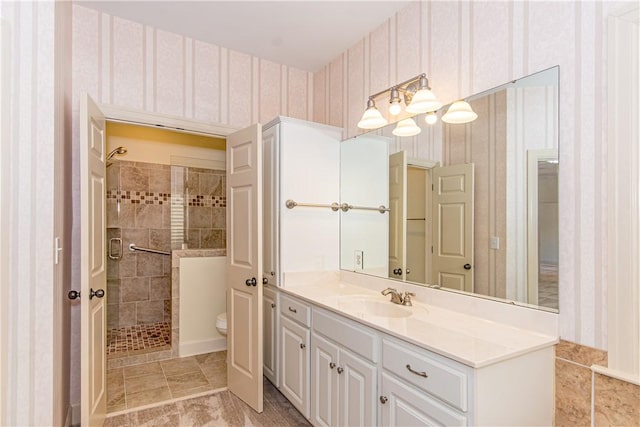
[
  {"x": 494, "y": 243},
  {"x": 358, "y": 260}
]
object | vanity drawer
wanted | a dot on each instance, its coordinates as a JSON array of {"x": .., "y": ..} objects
[
  {"x": 350, "y": 335},
  {"x": 295, "y": 310},
  {"x": 422, "y": 369}
]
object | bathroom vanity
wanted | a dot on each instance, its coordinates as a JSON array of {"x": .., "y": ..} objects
[{"x": 348, "y": 356}]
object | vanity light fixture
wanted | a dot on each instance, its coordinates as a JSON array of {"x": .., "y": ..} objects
[
  {"x": 459, "y": 112},
  {"x": 417, "y": 97},
  {"x": 431, "y": 118},
  {"x": 371, "y": 119},
  {"x": 406, "y": 127}
]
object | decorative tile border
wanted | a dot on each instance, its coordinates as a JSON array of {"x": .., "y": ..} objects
[{"x": 151, "y": 198}]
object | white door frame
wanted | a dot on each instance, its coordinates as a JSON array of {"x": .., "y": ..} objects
[{"x": 623, "y": 185}]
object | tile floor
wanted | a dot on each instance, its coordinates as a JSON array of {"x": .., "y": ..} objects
[
  {"x": 149, "y": 383},
  {"x": 219, "y": 409},
  {"x": 138, "y": 339}
]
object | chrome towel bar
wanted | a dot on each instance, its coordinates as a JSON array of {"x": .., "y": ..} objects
[{"x": 133, "y": 247}]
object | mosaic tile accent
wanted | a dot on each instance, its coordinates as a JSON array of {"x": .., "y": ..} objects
[
  {"x": 153, "y": 198},
  {"x": 138, "y": 339}
]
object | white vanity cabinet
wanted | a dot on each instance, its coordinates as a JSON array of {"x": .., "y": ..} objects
[
  {"x": 343, "y": 371},
  {"x": 295, "y": 319},
  {"x": 270, "y": 334},
  {"x": 301, "y": 162}
]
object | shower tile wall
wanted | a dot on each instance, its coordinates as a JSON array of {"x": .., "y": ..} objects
[
  {"x": 198, "y": 208},
  {"x": 138, "y": 211}
]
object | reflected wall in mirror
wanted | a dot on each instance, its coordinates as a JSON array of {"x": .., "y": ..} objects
[{"x": 472, "y": 207}]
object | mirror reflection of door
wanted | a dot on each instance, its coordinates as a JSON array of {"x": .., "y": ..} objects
[
  {"x": 542, "y": 227},
  {"x": 397, "y": 214},
  {"x": 453, "y": 189}
]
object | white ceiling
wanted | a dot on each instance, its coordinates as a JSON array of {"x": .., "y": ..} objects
[{"x": 301, "y": 34}]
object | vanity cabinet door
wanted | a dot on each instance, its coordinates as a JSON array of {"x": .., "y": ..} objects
[
  {"x": 357, "y": 392},
  {"x": 324, "y": 382},
  {"x": 403, "y": 405},
  {"x": 270, "y": 334},
  {"x": 294, "y": 364}
]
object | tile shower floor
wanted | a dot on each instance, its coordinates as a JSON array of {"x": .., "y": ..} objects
[
  {"x": 150, "y": 383},
  {"x": 138, "y": 339}
]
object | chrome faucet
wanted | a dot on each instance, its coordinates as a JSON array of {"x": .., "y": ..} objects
[{"x": 397, "y": 297}]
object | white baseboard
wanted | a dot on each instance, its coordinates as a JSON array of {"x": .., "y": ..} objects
[
  {"x": 191, "y": 348},
  {"x": 75, "y": 414}
]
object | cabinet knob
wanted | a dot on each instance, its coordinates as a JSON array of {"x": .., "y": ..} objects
[
  {"x": 332, "y": 365},
  {"x": 303, "y": 346},
  {"x": 340, "y": 370},
  {"x": 273, "y": 305},
  {"x": 383, "y": 399},
  {"x": 265, "y": 280}
]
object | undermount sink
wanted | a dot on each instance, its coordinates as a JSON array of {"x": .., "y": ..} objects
[{"x": 372, "y": 306}]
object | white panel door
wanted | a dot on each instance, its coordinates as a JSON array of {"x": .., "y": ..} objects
[
  {"x": 294, "y": 364},
  {"x": 270, "y": 327},
  {"x": 358, "y": 380},
  {"x": 397, "y": 214},
  {"x": 93, "y": 259},
  {"x": 244, "y": 266},
  {"x": 324, "y": 382},
  {"x": 452, "y": 206}
]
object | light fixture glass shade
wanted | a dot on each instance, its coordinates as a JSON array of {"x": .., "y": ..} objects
[
  {"x": 406, "y": 127},
  {"x": 372, "y": 119},
  {"x": 395, "y": 108},
  {"x": 423, "y": 101},
  {"x": 431, "y": 118},
  {"x": 459, "y": 112}
]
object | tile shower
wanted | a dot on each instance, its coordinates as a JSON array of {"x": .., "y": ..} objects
[{"x": 160, "y": 207}]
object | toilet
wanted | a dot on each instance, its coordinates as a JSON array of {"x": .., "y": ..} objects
[{"x": 221, "y": 323}]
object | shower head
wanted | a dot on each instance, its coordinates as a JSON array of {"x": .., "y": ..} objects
[{"x": 119, "y": 151}]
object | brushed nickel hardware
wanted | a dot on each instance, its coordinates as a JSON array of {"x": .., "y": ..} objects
[
  {"x": 396, "y": 297},
  {"x": 290, "y": 204},
  {"x": 303, "y": 345},
  {"x": 397, "y": 271},
  {"x": 332, "y": 365},
  {"x": 419, "y": 373},
  {"x": 118, "y": 253},
  {"x": 251, "y": 282},
  {"x": 406, "y": 299},
  {"x": 340, "y": 370},
  {"x": 383, "y": 399},
  {"x": 467, "y": 266},
  {"x": 273, "y": 305},
  {"x": 73, "y": 294},
  {"x": 133, "y": 248},
  {"x": 265, "y": 280},
  {"x": 346, "y": 207},
  {"x": 293, "y": 310}
]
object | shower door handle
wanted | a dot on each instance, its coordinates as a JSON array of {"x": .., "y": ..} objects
[{"x": 118, "y": 254}]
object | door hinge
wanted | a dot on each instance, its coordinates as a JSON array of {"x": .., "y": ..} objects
[{"x": 57, "y": 249}]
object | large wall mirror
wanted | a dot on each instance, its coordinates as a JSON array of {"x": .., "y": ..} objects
[{"x": 467, "y": 207}]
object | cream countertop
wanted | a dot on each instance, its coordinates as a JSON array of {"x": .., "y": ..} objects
[{"x": 470, "y": 340}]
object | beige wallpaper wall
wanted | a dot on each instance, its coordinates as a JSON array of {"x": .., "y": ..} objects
[{"x": 467, "y": 47}]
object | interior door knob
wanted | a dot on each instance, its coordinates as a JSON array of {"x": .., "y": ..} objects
[
  {"x": 467, "y": 266},
  {"x": 397, "y": 271},
  {"x": 251, "y": 282},
  {"x": 73, "y": 294},
  {"x": 98, "y": 294}
]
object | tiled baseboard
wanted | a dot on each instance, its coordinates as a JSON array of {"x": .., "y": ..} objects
[{"x": 580, "y": 392}]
